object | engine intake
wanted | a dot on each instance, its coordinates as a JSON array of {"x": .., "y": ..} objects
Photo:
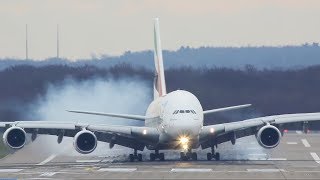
[
  {"x": 14, "y": 137},
  {"x": 268, "y": 136},
  {"x": 85, "y": 142}
]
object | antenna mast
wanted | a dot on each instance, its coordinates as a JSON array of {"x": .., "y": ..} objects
[{"x": 27, "y": 42}]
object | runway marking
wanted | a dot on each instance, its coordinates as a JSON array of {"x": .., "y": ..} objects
[
  {"x": 315, "y": 157},
  {"x": 50, "y": 158},
  {"x": 257, "y": 154},
  {"x": 277, "y": 159},
  {"x": 10, "y": 170},
  {"x": 49, "y": 174},
  {"x": 305, "y": 143},
  {"x": 88, "y": 161},
  {"x": 266, "y": 170},
  {"x": 117, "y": 169},
  {"x": 299, "y": 132},
  {"x": 190, "y": 170},
  {"x": 292, "y": 143}
]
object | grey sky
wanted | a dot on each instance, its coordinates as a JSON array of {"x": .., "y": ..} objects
[{"x": 114, "y": 26}]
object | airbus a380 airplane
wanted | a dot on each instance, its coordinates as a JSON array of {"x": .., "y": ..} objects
[{"x": 173, "y": 121}]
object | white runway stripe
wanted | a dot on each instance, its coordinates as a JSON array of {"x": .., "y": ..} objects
[
  {"x": 48, "y": 174},
  {"x": 305, "y": 143},
  {"x": 88, "y": 161},
  {"x": 257, "y": 154},
  {"x": 117, "y": 169},
  {"x": 50, "y": 158},
  {"x": 315, "y": 157},
  {"x": 277, "y": 159},
  {"x": 190, "y": 170},
  {"x": 265, "y": 170},
  {"x": 10, "y": 170},
  {"x": 292, "y": 143}
]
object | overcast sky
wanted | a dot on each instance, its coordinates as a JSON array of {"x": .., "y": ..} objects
[{"x": 111, "y": 27}]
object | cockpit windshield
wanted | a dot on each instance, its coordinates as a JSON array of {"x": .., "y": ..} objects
[{"x": 184, "y": 111}]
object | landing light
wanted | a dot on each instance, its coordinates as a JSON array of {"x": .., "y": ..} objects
[
  {"x": 144, "y": 132},
  {"x": 211, "y": 130},
  {"x": 184, "y": 140},
  {"x": 185, "y": 146}
]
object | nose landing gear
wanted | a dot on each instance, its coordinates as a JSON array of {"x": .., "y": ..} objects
[
  {"x": 189, "y": 155},
  {"x": 157, "y": 155},
  {"x": 134, "y": 156},
  {"x": 214, "y": 155}
]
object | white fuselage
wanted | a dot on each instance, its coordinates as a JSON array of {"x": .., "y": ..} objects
[{"x": 177, "y": 114}]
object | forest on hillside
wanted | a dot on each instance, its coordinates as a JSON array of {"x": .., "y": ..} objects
[
  {"x": 270, "y": 91},
  {"x": 264, "y": 57}
]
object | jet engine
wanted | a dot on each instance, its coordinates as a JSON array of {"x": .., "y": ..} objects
[
  {"x": 14, "y": 137},
  {"x": 85, "y": 142},
  {"x": 268, "y": 136}
]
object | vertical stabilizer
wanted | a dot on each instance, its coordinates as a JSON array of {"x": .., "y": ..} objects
[{"x": 159, "y": 81}]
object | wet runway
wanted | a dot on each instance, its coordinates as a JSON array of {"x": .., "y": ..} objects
[{"x": 297, "y": 157}]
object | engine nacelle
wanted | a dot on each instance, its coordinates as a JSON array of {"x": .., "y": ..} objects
[
  {"x": 268, "y": 136},
  {"x": 85, "y": 142},
  {"x": 14, "y": 137}
]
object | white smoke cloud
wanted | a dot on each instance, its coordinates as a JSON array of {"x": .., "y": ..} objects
[{"x": 129, "y": 95}]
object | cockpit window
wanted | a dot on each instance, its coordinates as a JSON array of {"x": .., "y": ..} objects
[
  {"x": 176, "y": 112},
  {"x": 184, "y": 111}
]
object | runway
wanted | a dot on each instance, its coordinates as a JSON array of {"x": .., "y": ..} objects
[{"x": 296, "y": 157}]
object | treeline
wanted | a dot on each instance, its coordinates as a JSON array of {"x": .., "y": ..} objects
[
  {"x": 286, "y": 57},
  {"x": 270, "y": 91}
]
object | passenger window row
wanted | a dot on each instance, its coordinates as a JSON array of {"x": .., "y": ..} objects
[{"x": 184, "y": 111}]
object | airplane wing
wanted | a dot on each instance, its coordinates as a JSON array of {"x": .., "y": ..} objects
[
  {"x": 226, "y": 109},
  {"x": 125, "y": 116},
  {"x": 128, "y": 136},
  {"x": 220, "y": 133}
]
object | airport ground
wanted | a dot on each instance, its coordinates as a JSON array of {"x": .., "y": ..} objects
[{"x": 296, "y": 157}]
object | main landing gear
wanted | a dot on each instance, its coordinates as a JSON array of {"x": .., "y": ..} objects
[
  {"x": 134, "y": 156},
  {"x": 156, "y": 155},
  {"x": 189, "y": 155},
  {"x": 214, "y": 155}
]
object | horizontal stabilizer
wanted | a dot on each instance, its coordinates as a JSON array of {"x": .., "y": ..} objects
[
  {"x": 226, "y": 109},
  {"x": 125, "y": 116}
]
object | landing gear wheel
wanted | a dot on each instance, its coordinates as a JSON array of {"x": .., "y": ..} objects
[
  {"x": 194, "y": 156},
  {"x": 209, "y": 156},
  {"x": 152, "y": 157},
  {"x": 189, "y": 155},
  {"x": 131, "y": 157},
  {"x": 139, "y": 157},
  {"x": 161, "y": 156},
  {"x": 217, "y": 157},
  {"x": 183, "y": 156}
]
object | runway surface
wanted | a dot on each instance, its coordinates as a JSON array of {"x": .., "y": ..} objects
[{"x": 297, "y": 157}]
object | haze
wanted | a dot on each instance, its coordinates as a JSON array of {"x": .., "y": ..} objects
[{"x": 112, "y": 27}]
